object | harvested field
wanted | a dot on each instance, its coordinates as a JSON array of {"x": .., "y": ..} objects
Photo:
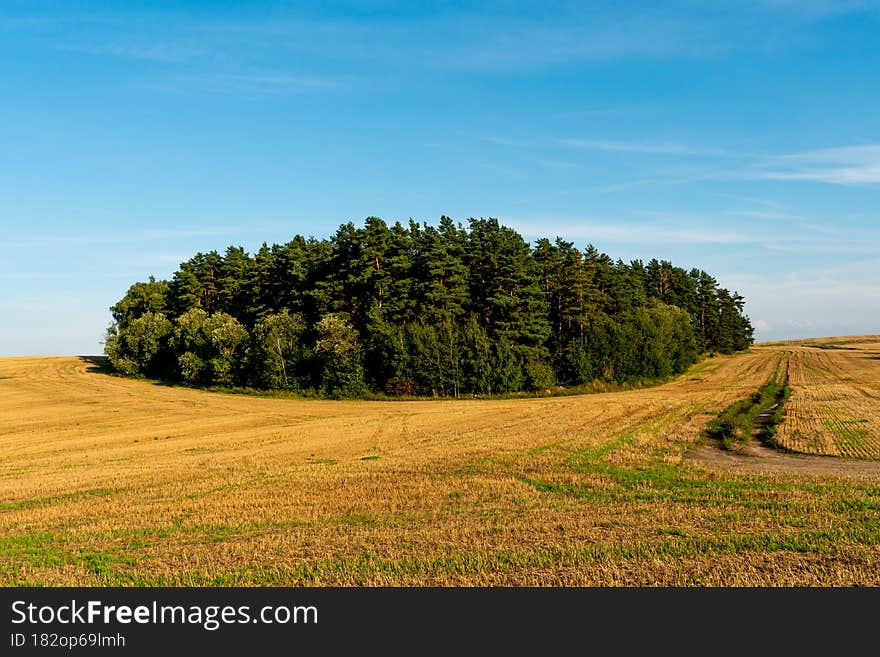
[
  {"x": 111, "y": 481},
  {"x": 835, "y": 404}
]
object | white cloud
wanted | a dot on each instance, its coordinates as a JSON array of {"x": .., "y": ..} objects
[
  {"x": 256, "y": 82},
  {"x": 819, "y": 9},
  {"x": 151, "y": 50},
  {"x": 847, "y": 165},
  {"x": 97, "y": 239},
  {"x": 640, "y": 147},
  {"x": 841, "y": 176},
  {"x": 869, "y": 153},
  {"x": 627, "y": 232},
  {"x": 836, "y": 300},
  {"x": 557, "y": 164},
  {"x": 507, "y": 141},
  {"x": 761, "y": 214}
]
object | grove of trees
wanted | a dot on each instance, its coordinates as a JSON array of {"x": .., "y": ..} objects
[{"x": 421, "y": 310}]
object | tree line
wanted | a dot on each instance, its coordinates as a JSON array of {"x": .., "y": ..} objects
[{"x": 421, "y": 310}]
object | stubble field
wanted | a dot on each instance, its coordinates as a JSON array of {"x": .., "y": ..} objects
[
  {"x": 111, "y": 481},
  {"x": 835, "y": 406}
]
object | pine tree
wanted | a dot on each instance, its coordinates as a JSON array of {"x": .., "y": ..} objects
[
  {"x": 400, "y": 305},
  {"x": 232, "y": 276},
  {"x": 259, "y": 286},
  {"x": 438, "y": 310},
  {"x": 506, "y": 288},
  {"x": 441, "y": 274}
]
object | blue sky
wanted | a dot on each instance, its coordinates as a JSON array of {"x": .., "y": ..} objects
[{"x": 741, "y": 137}]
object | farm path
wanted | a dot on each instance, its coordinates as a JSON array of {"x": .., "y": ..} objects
[
  {"x": 832, "y": 421},
  {"x": 760, "y": 459}
]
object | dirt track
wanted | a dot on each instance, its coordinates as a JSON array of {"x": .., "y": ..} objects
[
  {"x": 758, "y": 459},
  {"x": 833, "y": 413}
]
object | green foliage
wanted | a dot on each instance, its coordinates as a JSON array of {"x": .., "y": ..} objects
[
  {"x": 191, "y": 367},
  {"x": 667, "y": 344},
  {"x": 506, "y": 288},
  {"x": 388, "y": 355},
  {"x": 227, "y": 337},
  {"x": 573, "y": 362},
  {"x": 141, "y": 298},
  {"x": 277, "y": 350},
  {"x": 539, "y": 375},
  {"x": 434, "y": 310},
  {"x": 507, "y": 371},
  {"x": 140, "y": 346},
  {"x": 209, "y": 347},
  {"x": 476, "y": 357},
  {"x": 338, "y": 347}
]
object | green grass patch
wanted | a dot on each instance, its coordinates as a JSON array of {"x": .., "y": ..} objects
[
  {"x": 62, "y": 497},
  {"x": 44, "y": 549},
  {"x": 103, "y": 563},
  {"x": 55, "y": 550},
  {"x": 846, "y": 431},
  {"x": 737, "y": 423},
  {"x": 669, "y": 545}
]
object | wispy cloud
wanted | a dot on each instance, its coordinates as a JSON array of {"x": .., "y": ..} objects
[
  {"x": 835, "y": 300},
  {"x": 762, "y": 214},
  {"x": 132, "y": 237},
  {"x": 557, "y": 164},
  {"x": 373, "y": 41},
  {"x": 60, "y": 276},
  {"x": 579, "y": 36},
  {"x": 642, "y": 182},
  {"x": 33, "y": 276},
  {"x": 509, "y": 141},
  {"x": 603, "y": 111},
  {"x": 762, "y": 202},
  {"x": 848, "y": 165},
  {"x": 845, "y": 165},
  {"x": 561, "y": 34},
  {"x": 212, "y": 57},
  {"x": 459, "y": 38},
  {"x": 500, "y": 169},
  {"x": 627, "y": 232},
  {"x": 818, "y": 9},
  {"x": 257, "y": 83},
  {"x": 646, "y": 147},
  {"x": 151, "y": 50}
]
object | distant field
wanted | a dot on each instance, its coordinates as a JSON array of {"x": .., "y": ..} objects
[
  {"x": 107, "y": 481},
  {"x": 835, "y": 405}
]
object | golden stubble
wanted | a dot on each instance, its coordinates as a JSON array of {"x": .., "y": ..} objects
[
  {"x": 834, "y": 408},
  {"x": 110, "y": 480}
]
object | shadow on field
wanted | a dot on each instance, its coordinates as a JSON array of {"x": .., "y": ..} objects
[{"x": 99, "y": 364}]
